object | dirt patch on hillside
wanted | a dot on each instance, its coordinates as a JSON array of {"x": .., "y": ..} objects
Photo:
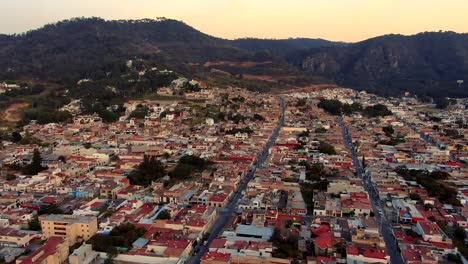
[
  {"x": 266, "y": 78},
  {"x": 13, "y": 112},
  {"x": 241, "y": 64},
  {"x": 308, "y": 89}
]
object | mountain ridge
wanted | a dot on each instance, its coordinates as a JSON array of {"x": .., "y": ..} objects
[{"x": 427, "y": 64}]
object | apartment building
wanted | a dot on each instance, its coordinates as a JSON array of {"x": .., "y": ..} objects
[{"x": 75, "y": 228}]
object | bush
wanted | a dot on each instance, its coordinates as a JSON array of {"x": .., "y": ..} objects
[
  {"x": 10, "y": 177},
  {"x": 139, "y": 113},
  {"x": 151, "y": 169},
  {"x": 415, "y": 196},
  {"x": 45, "y": 115},
  {"x": 377, "y": 110},
  {"x": 121, "y": 236},
  {"x": 164, "y": 215},
  {"x": 388, "y": 130},
  {"x": 326, "y": 148}
]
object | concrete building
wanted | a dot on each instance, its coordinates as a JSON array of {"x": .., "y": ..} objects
[
  {"x": 83, "y": 255},
  {"x": 74, "y": 228},
  {"x": 54, "y": 251}
]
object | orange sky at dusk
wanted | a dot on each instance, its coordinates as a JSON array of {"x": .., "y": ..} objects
[{"x": 344, "y": 20}]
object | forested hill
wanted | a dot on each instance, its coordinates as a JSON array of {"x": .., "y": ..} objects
[
  {"x": 430, "y": 64},
  {"x": 82, "y": 47},
  {"x": 283, "y": 47},
  {"x": 426, "y": 64},
  {"x": 79, "y": 47}
]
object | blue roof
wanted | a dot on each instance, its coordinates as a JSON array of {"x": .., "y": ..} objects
[
  {"x": 254, "y": 231},
  {"x": 140, "y": 242}
]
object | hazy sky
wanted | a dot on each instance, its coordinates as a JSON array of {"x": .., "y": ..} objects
[{"x": 346, "y": 20}]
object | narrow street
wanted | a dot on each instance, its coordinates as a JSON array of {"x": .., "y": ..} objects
[
  {"x": 426, "y": 138},
  {"x": 385, "y": 226},
  {"x": 225, "y": 213}
]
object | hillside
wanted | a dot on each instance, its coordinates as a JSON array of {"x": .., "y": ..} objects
[
  {"x": 91, "y": 47},
  {"x": 426, "y": 64},
  {"x": 78, "y": 48},
  {"x": 283, "y": 47}
]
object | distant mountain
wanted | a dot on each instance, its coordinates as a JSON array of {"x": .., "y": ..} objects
[
  {"x": 83, "y": 47},
  {"x": 283, "y": 47},
  {"x": 426, "y": 64},
  {"x": 78, "y": 47}
]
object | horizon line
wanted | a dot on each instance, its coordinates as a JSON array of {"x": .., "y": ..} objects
[{"x": 225, "y": 38}]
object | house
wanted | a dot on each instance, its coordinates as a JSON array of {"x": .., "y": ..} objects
[
  {"x": 362, "y": 255},
  {"x": 54, "y": 251},
  {"x": 15, "y": 238},
  {"x": 216, "y": 258},
  {"x": 430, "y": 231},
  {"x": 83, "y": 255},
  {"x": 218, "y": 200}
]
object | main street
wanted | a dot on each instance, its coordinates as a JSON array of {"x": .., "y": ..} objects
[
  {"x": 426, "y": 138},
  {"x": 385, "y": 226},
  {"x": 225, "y": 213}
]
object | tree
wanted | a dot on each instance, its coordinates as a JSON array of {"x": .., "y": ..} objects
[
  {"x": 454, "y": 258},
  {"x": 34, "y": 224},
  {"x": 320, "y": 130},
  {"x": 333, "y": 106},
  {"x": 326, "y": 148},
  {"x": 442, "y": 102},
  {"x": 112, "y": 253},
  {"x": 16, "y": 137},
  {"x": 121, "y": 236},
  {"x": 50, "y": 209},
  {"x": 10, "y": 177},
  {"x": 36, "y": 164},
  {"x": 459, "y": 148},
  {"x": 149, "y": 170},
  {"x": 164, "y": 215},
  {"x": 357, "y": 145},
  {"x": 140, "y": 112},
  {"x": 415, "y": 196},
  {"x": 258, "y": 117},
  {"x": 428, "y": 207},
  {"x": 62, "y": 159},
  {"x": 87, "y": 145},
  {"x": 377, "y": 110},
  {"x": 388, "y": 130}
]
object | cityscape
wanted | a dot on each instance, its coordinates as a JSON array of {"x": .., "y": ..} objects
[{"x": 178, "y": 147}]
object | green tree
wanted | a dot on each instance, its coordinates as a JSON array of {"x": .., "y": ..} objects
[
  {"x": 112, "y": 253},
  {"x": 34, "y": 224},
  {"x": 459, "y": 148},
  {"x": 377, "y": 110},
  {"x": 16, "y": 137},
  {"x": 442, "y": 102},
  {"x": 10, "y": 177},
  {"x": 326, "y": 148},
  {"x": 164, "y": 215},
  {"x": 388, "y": 130},
  {"x": 415, "y": 196},
  {"x": 36, "y": 164},
  {"x": 151, "y": 169}
]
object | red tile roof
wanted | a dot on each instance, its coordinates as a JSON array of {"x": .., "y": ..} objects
[
  {"x": 218, "y": 243},
  {"x": 216, "y": 256},
  {"x": 48, "y": 249}
]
